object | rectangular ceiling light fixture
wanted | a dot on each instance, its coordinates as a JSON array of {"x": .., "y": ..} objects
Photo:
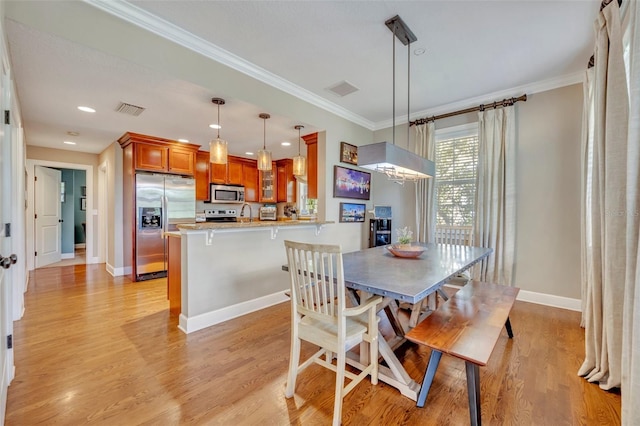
[{"x": 399, "y": 164}]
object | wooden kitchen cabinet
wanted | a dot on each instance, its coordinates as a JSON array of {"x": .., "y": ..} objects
[
  {"x": 286, "y": 181},
  {"x": 234, "y": 171},
  {"x": 250, "y": 179},
  {"x": 151, "y": 157},
  {"x": 181, "y": 161},
  {"x": 228, "y": 174},
  {"x": 202, "y": 176},
  {"x": 154, "y": 154},
  {"x": 268, "y": 185},
  {"x": 312, "y": 164}
]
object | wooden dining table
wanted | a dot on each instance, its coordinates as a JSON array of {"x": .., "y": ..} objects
[{"x": 375, "y": 271}]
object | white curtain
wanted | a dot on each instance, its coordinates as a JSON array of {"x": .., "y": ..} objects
[
  {"x": 494, "y": 223},
  {"x": 426, "y": 206},
  {"x": 631, "y": 314},
  {"x": 605, "y": 211}
]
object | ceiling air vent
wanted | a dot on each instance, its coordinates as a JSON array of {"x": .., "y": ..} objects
[
  {"x": 130, "y": 109},
  {"x": 343, "y": 88}
]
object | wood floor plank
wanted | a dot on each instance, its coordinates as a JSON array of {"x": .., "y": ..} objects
[{"x": 94, "y": 349}]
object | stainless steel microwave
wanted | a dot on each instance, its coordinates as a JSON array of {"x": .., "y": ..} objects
[{"x": 226, "y": 194}]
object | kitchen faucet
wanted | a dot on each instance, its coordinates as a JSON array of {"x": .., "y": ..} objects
[{"x": 242, "y": 211}]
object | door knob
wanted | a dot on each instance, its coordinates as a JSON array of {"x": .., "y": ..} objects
[
  {"x": 5, "y": 262},
  {"x": 60, "y": 220}
]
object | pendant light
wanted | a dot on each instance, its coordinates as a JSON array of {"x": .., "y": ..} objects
[
  {"x": 218, "y": 147},
  {"x": 299, "y": 161},
  {"x": 264, "y": 156},
  {"x": 398, "y": 164}
]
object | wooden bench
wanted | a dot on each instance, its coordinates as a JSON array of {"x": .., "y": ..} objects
[{"x": 466, "y": 326}]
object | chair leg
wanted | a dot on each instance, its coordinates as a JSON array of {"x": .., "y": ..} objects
[
  {"x": 337, "y": 405},
  {"x": 373, "y": 357},
  {"x": 294, "y": 359}
]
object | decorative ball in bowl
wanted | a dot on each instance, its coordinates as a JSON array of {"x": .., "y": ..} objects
[{"x": 406, "y": 250}]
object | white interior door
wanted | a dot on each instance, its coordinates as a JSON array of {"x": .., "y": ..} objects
[
  {"x": 6, "y": 295},
  {"x": 47, "y": 220}
]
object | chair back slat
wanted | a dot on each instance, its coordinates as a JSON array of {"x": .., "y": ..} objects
[{"x": 317, "y": 278}]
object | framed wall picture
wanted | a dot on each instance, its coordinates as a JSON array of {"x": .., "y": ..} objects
[
  {"x": 352, "y": 212},
  {"x": 83, "y": 204},
  {"x": 348, "y": 153},
  {"x": 349, "y": 183}
]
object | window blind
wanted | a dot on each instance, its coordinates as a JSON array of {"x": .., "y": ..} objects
[{"x": 456, "y": 168}]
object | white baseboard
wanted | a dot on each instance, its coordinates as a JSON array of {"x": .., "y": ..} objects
[
  {"x": 198, "y": 322},
  {"x": 118, "y": 272},
  {"x": 544, "y": 299},
  {"x": 93, "y": 260},
  {"x": 80, "y": 245},
  {"x": 550, "y": 300},
  {"x": 67, "y": 256}
]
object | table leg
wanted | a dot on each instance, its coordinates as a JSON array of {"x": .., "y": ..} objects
[
  {"x": 443, "y": 294},
  {"x": 395, "y": 375},
  {"x": 473, "y": 389},
  {"x": 429, "y": 374},
  {"x": 391, "y": 309}
]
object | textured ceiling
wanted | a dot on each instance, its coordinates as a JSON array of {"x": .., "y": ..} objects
[{"x": 473, "y": 49}]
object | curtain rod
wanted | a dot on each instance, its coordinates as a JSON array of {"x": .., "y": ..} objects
[
  {"x": 497, "y": 104},
  {"x": 592, "y": 59}
]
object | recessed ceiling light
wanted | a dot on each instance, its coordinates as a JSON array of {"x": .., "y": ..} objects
[
  {"x": 86, "y": 109},
  {"x": 249, "y": 153},
  {"x": 72, "y": 133},
  {"x": 183, "y": 140},
  {"x": 69, "y": 143},
  {"x": 286, "y": 143},
  {"x": 419, "y": 51},
  {"x": 215, "y": 126}
]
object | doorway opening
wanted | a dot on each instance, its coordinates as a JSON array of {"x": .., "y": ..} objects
[{"x": 81, "y": 198}]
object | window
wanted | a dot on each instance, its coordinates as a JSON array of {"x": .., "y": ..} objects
[{"x": 456, "y": 166}]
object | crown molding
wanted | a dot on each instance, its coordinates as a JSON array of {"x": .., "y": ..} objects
[
  {"x": 530, "y": 88},
  {"x": 171, "y": 32}
]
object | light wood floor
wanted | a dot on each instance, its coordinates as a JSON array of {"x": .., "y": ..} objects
[
  {"x": 96, "y": 349},
  {"x": 79, "y": 258}
]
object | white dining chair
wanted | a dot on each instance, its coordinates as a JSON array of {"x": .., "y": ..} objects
[{"x": 319, "y": 315}]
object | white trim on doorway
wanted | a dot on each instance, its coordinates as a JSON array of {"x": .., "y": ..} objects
[{"x": 29, "y": 214}]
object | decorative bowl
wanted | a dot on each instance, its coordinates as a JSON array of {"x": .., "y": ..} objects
[{"x": 405, "y": 250}]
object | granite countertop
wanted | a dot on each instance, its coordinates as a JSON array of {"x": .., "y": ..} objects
[{"x": 253, "y": 224}]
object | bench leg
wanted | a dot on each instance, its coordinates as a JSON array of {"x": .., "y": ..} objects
[
  {"x": 434, "y": 360},
  {"x": 473, "y": 390},
  {"x": 508, "y": 327}
]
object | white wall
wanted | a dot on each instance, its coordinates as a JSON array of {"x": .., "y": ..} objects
[
  {"x": 112, "y": 158},
  {"x": 548, "y": 132}
]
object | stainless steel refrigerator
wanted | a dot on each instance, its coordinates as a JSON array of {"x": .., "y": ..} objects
[{"x": 162, "y": 201}]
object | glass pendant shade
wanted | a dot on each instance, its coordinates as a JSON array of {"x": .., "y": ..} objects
[
  {"x": 299, "y": 162},
  {"x": 218, "y": 147},
  {"x": 264, "y": 156},
  {"x": 218, "y": 151},
  {"x": 264, "y": 160},
  {"x": 299, "y": 165}
]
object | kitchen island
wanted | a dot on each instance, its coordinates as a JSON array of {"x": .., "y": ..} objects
[{"x": 232, "y": 269}]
